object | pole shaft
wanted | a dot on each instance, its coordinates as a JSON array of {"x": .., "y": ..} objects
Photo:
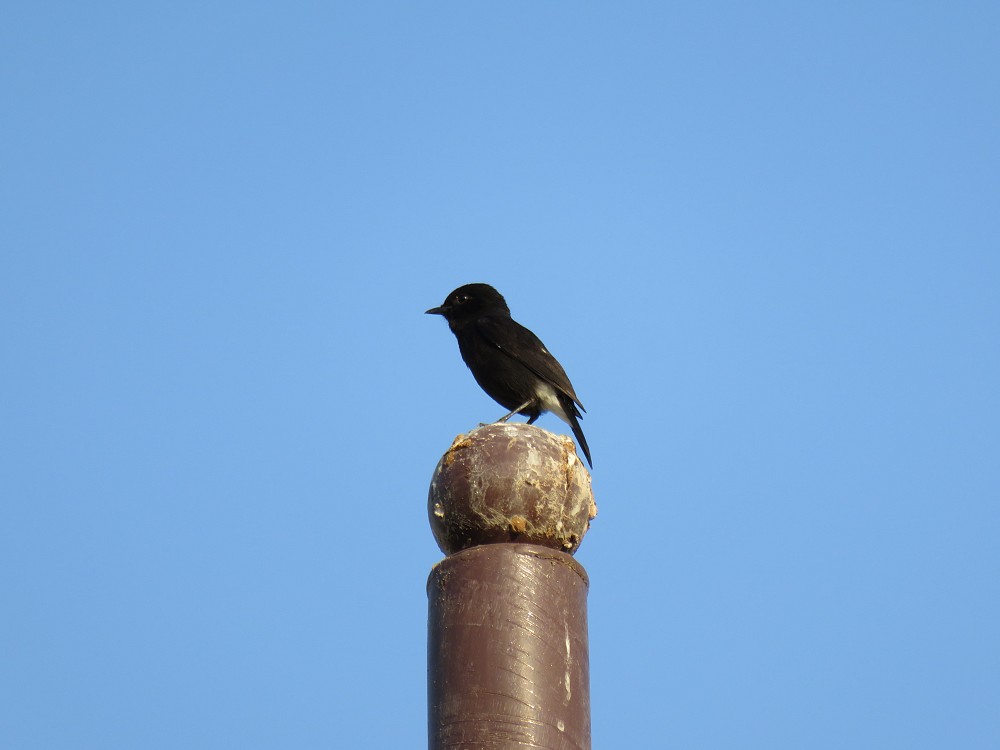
[{"x": 508, "y": 657}]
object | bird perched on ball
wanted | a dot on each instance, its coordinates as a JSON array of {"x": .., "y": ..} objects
[{"x": 508, "y": 361}]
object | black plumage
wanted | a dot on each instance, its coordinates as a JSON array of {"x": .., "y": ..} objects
[{"x": 508, "y": 361}]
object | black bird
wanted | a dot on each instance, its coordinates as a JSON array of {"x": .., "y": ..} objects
[{"x": 508, "y": 361}]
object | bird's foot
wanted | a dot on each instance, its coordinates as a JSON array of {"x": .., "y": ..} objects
[{"x": 518, "y": 410}]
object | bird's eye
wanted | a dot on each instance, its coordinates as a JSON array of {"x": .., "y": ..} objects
[{"x": 463, "y": 298}]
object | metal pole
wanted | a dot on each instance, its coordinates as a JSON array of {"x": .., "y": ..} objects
[{"x": 508, "y": 655}]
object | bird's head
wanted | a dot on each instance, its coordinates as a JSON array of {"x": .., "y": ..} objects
[{"x": 470, "y": 302}]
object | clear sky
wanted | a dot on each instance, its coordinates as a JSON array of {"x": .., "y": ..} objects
[{"x": 763, "y": 239}]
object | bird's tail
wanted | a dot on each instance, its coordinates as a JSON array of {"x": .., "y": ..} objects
[{"x": 573, "y": 417}]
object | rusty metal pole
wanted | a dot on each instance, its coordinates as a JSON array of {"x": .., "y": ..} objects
[{"x": 508, "y": 656}]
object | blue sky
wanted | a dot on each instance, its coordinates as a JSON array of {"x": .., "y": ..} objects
[{"x": 763, "y": 241}]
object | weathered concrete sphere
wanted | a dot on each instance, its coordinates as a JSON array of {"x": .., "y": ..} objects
[{"x": 510, "y": 483}]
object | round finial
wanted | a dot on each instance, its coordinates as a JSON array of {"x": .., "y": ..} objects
[{"x": 510, "y": 483}]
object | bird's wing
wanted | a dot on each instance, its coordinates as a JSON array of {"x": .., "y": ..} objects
[{"x": 520, "y": 344}]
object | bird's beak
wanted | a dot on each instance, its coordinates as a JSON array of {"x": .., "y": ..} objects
[{"x": 436, "y": 311}]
